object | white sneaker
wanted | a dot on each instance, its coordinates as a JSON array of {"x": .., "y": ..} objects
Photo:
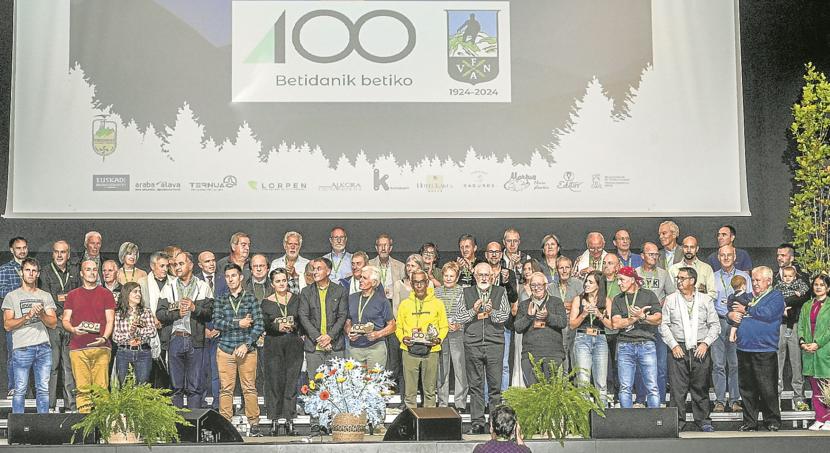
[
  {"x": 816, "y": 426},
  {"x": 826, "y": 427}
]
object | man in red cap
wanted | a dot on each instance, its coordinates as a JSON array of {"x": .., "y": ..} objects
[{"x": 636, "y": 313}]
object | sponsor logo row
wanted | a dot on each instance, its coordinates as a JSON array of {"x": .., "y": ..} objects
[{"x": 381, "y": 182}]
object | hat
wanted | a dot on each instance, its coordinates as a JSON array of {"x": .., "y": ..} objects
[{"x": 629, "y": 271}]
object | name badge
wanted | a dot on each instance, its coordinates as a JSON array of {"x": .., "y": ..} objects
[
  {"x": 539, "y": 324},
  {"x": 592, "y": 331},
  {"x": 62, "y": 297}
]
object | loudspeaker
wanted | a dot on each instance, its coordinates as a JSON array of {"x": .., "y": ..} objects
[
  {"x": 46, "y": 429},
  {"x": 208, "y": 427},
  {"x": 635, "y": 423},
  {"x": 425, "y": 423}
]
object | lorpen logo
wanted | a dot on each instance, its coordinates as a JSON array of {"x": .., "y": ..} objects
[{"x": 110, "y": 183}]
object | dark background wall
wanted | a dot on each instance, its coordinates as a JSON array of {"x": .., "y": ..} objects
[{"x": 777, "y": 38}]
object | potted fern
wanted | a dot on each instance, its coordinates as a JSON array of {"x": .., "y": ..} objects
[
  {"x": 131, "y": 413},
  {"x": 554, "y": 406}
]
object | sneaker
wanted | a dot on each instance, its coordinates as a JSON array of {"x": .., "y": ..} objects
[
  {"x": 11, "y": 393},
  {"x": 747, "y": 427},
  {"x": 801, "y": 406},
  {"x": 719, "y": 407},
  {"x": 737, "y": 407},
  {"x": 826, "y": 427},
  {"x": 707, "y": 428},
  {"x": 817, "y": 426},
  {"x": 639, "y": 406}
]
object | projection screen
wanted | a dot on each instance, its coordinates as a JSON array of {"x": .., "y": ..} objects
[{"x": 370, "y": 109}]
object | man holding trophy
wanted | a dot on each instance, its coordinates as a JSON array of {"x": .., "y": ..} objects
[
  {"x": 421, "y": 327},
  {"x": 370, "y": 320}
]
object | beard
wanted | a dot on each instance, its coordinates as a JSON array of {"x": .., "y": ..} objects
[{"x": 483, "y": 286}]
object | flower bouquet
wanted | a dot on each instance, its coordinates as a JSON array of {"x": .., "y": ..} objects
[{"x": 346, "y": 387}]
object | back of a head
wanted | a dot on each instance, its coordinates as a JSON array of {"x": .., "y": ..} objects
[{"x": 503, "y": 421}]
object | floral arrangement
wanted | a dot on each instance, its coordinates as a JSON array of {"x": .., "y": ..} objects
[{"x": 346, "y": 386}]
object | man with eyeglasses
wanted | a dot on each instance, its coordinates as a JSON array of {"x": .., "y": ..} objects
[
  {"x": 622, "y": 242},
  {"x": 591, "y": 259},
  {"x": 689, "y": 327},
  {"x": 658, "y": 281},
  {"x": 341, "y": 260},
  {"x": 506, "y": 278},
  {"x": 483, "y": 312},
  {"x": 635, "y": 312},
  {"x": 513, "y": 257},
  {"x": 541, "y": 320},
  {"x": 724, "y": 352},
  {"x": 259, "y": 286},
  {"x": 705, "y": 275}
]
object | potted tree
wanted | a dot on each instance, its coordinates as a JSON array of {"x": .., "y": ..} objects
[
  {"x": 554, "y": 406},
  {"x": 131, "y": 413}
]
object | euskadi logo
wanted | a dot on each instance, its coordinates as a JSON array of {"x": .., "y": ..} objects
[
  {"x": 473, "y": 43},
  {"x": 380, "y": 51}
]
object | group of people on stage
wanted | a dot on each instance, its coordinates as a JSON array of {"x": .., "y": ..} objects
[{"x": 629, "y": 324}]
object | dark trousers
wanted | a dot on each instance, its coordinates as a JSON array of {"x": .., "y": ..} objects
[
  {"x": 690, "y": 374},
  {"x": 612, "y": 380},
  {"x": 758, "y": 383},
  {"x": 284, "y": 360},
  {"x": 483, "y": 361},
  {"x": 61, "y": 369},
  {"x": 185, "y": 363},
  {"x": 548, "y": 365},
  {"x": 394, "y": 362},
  {"x": 210, "y": 374}
]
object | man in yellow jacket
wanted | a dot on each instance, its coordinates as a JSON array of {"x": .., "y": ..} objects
[{"x": 421, "y": 327}]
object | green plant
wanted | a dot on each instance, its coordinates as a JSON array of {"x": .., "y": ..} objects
[
  {"x": 810, "y": 205},
  {"x": 137, "y": 408},
  {"x": 554, "y": 406}
]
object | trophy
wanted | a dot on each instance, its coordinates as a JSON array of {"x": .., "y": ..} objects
[
  {"x": 89, "y": 327},
  {"x": 174, "y": 306},
  {"x": 428, "y": 337},
  {"x": 363, "y": 329},
  {"x": 285, "y": 320}
]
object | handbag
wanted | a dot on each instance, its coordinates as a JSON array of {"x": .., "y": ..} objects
[
  {"x": 155, "y": 345},
  {"x": 419, "y": 350}
]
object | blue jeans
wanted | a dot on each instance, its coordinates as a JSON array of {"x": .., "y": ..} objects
[
  {"x": 725, "y": 354},
  {"x": 185, "y": 364},
  {"x": 141, "y": 360},
  {"x": 662, "y": 373},
  {"x": 591, "y": 358},
  {"x": 630, "y": 358},
  {"x": 210, "y": 374},
  {"x": 38, "y": 358}
]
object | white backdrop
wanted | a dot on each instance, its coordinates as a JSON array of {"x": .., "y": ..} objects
[{"x": 671, "y": 145}]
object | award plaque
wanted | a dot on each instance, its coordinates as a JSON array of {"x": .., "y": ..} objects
[
  {"x": 89, "y": 327},
  {"x": 286, "y": 320},
  {"x": 363, "y": 329}
]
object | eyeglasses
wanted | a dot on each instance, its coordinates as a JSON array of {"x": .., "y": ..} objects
[
  {"x": 418, "y": 282},
  {"x": 537, "y": 285},
  {"x": 494, "y": 252}
]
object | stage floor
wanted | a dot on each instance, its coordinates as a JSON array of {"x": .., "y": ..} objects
[{"x": 801, "y": 441}]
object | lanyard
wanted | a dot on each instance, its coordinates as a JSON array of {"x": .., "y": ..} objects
[
  {"x": 238, "y": 300},
  {"x": 563, "y": 290},
  {"x": 187, "y": 291},
  {"x": 361, "y": 305},
  {"x": 633, "y": 301},
  {"x": 283, "y": 311},
  {"x": 60, "y": 280},
  {"x": 132, "y": 276},
  {"x": 758, "y": 298},
  {"x": 689, "y": 308},
  {"x": 337, "y": 266},
  {"x": 383, "y": 271},
  {"x": 726, "y": 287}
]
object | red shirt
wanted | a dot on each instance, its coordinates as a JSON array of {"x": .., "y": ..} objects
[{"x": 89, "y": 305}]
